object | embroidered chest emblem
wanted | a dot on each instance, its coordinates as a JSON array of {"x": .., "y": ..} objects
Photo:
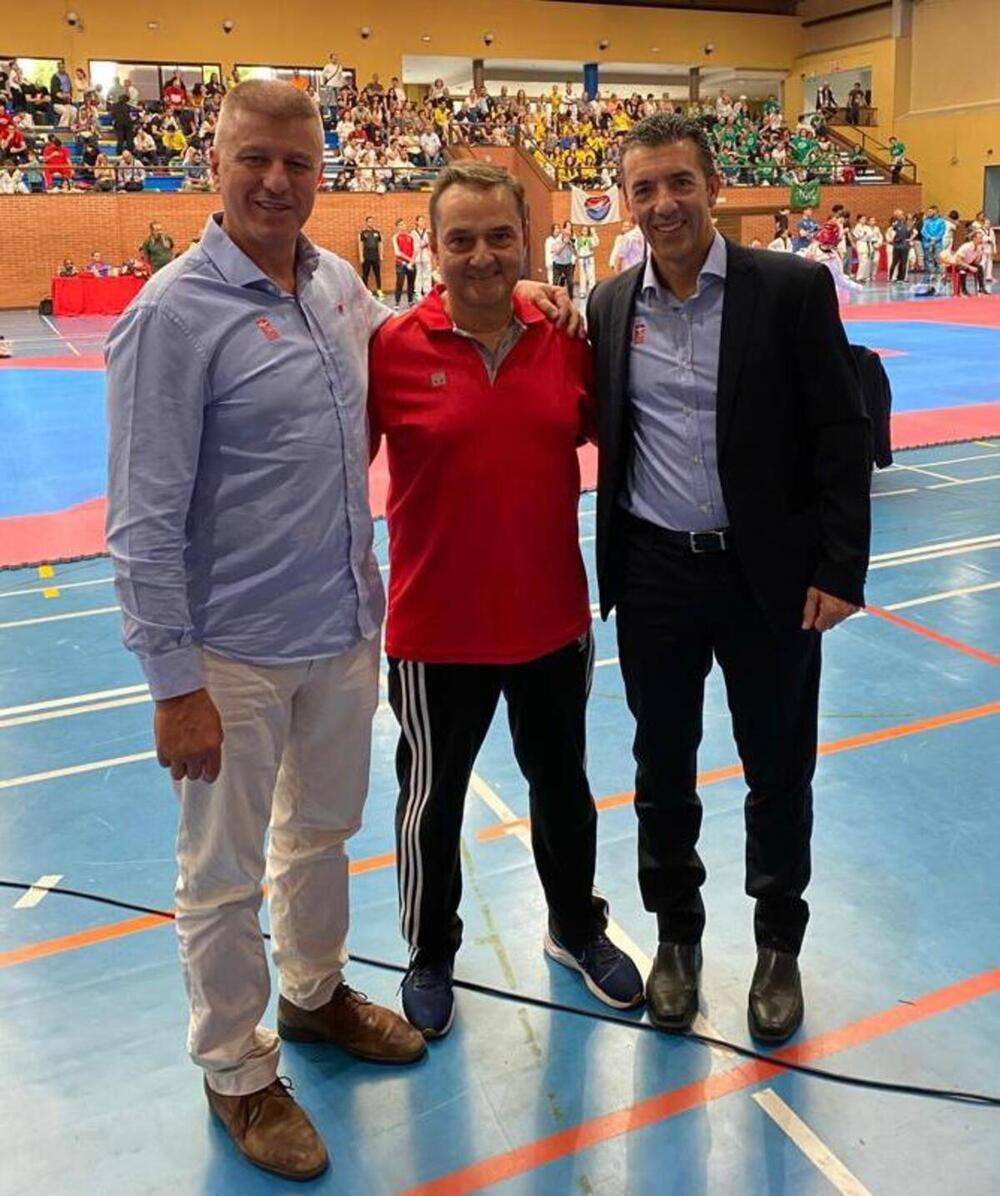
[
  {"x": 639, "y": 332},
  {"x": 439, "y": 378},
  {"x": 268, "y": 329}
]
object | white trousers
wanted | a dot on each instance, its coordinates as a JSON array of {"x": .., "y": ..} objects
[
  {"x": 295, "y": 756},
  {"x": 588, "y": 277},
  {"x": 424, "y": 282},
  {"x": 864, "y": 271}
]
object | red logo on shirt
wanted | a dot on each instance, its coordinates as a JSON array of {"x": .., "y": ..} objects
[
  {"x": 639, "y": 333},
  {"x": 268, "y": 329}
]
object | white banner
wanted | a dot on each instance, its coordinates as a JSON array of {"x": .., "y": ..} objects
[{"x": 594, "y": 207}]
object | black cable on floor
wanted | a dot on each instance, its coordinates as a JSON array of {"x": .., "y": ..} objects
[{"x": 486, "y": 990}]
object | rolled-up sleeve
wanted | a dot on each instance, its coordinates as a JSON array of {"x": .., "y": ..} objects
[{"x": 156, "y": 378}]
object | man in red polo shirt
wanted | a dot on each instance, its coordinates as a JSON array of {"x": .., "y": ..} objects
[{"x": 482, "y": 404}]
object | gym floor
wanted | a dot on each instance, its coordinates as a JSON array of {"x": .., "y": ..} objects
[{"x": 901, "y": 964}]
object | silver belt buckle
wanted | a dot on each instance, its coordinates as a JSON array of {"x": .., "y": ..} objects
[{"x": 700, "y": 551}]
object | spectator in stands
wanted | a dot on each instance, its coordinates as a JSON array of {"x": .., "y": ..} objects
[
  {"x": 104, "y": 173},
  {"x": 826, "y": 101},
  {"x": 855, "y": 102},
  {"x": 97, "y": 265},
  {"x": 131, "y": 173},
  {"x": 196, "y": 175},
  {"x": 82, "y": 89},
  {"x": 89, "y": 152},
  {"x": 331, "y": 81},
  {"x": 175, "y": 95},
  {"x": 11, "y": 179},
  {"x": 123, "y": 123},
  {"x": 61, "y": 94},
  {"x": 897, "y": 158},
  {"x": 214, "y": 91},
  {"x": 13, "y": 143},
  {"x": 404, "y": 254},
  {"x": 370, "y": 254},
  {"x": 33, "y": 174},
  {"x": 145, "y": 146},
  {"x": 158, "y": 247},
  {"x": 58, "y": 164}
]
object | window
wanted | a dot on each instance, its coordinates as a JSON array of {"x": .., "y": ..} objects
[{"x": 149, "y": 78}]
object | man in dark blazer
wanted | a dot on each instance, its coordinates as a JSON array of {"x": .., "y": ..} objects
[{"x": 732, "y": 522}]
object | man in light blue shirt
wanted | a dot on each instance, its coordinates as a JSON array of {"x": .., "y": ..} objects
[
  {"x": 241, "y": 536},
  {"x": 673, "y": 473}
]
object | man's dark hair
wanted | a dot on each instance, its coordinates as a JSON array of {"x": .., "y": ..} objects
[{"x": 667, "y": 128}]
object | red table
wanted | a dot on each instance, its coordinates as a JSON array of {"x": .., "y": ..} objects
[{"x": 88, "y": 295}]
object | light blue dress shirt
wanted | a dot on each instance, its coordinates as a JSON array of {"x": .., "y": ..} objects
[
  {"x": 238, "y": 515},
  {"x": 673, "y": 476}
]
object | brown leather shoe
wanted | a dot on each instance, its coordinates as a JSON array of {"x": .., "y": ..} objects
[
  {"x": 272, "y": 1131},
  {"x": 349, "y": 1020}
]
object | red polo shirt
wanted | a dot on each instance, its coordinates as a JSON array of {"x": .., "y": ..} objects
[{"x": 484, "y": 485}]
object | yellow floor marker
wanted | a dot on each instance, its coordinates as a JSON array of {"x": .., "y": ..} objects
[
  {"x": 987, "y": 444},
  {"x": 46, "y": 571}
]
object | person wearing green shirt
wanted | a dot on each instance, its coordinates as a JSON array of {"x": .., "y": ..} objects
[
  {"x": 802, "y": 148},
  {"x": 158, "y": 247},
  {"x": 897, "y": 156}
]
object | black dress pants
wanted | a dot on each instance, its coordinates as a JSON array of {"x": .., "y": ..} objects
[
  {"x": 444, "y": 712},
  {"x": 676, "y": 613},
  {"x": 406, "y": 278}
]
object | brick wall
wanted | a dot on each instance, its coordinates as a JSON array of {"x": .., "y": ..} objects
[{"x": 38, "y": 231}]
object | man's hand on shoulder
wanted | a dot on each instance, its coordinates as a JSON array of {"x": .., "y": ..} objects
[
  {"x": 188, "y": 733},
  {"x": 555, "y": 303},
  {"x": 823, "y": 611}
]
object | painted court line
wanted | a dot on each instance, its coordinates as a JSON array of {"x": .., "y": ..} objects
[
  {"x": 656, "y": 1109},
  {"x": 38, "y": 891},
  {"x": 69, "y": 711},
  {"x": 94, "y": 695},
  {"x": 946, "y": 640},
  {"x": 989, "y": 477},
  {"x": 893, "y": 493},
  {"x": 829, "y": 748},
  {"x": 817, "y": 1152},
  {"x": 929, "y": 472},
  {"x": 75, "y": 614},
  {"x": 63, "y": 585}
]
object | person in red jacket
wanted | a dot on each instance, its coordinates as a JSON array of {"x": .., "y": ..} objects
[
  {"x": 482, "y": 404},
  {"x": 58, "y": 164}
]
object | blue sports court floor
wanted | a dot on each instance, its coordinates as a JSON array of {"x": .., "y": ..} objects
[{"x": 901, "y": 964}]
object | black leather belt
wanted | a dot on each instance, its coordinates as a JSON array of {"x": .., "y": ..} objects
[{"x": 698, "y": 543}]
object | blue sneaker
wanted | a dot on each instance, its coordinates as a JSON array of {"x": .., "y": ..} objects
[
  {"x": 428, "y": 999},
  {"x": 607, "y": 971}
]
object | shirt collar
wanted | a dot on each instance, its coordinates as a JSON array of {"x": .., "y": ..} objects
[
  {"x": 714, "y": 266},
  {"x": 240, "y": 270},
  {"x": 433, "y": 314}
]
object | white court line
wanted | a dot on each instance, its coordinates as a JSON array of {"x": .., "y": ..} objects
[
  {"x": 60, "y": 585},
  {"x": 989, "y": 477},
  {"x": 929, "y": 472},
  {"x": 73, "y": 770},
  {"x": 616, "y": 933},
  {"x": 72, "y": 700},
  {"x": 948, "y": 460},
  {"x": 890, "y": 493},
  {"x": 600, "y": 664},
  {"x": 934, "y": 547},
  {"x": 38, "y": 891},
  {"x": 74, "y": 614},
  {"x": 817, "y": 1152},
  {"x": 68, "y": 711},
  {"x": 60, "y": 336}
]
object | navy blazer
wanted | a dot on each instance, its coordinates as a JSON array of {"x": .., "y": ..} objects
[{"x": 793, "y": 437}]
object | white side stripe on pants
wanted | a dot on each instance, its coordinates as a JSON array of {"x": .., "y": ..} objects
[{"x": 417, "y": 729}]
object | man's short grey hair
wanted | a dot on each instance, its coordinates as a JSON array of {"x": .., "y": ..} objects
[
  {"x": 668, "y": 128},
  {"x": 267, "y": 97}
]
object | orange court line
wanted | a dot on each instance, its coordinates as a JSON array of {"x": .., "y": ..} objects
[
  {"x": 117, "y": 930},
  {"x": 668, "y": 1104},
  {"x": 936, "y": 636},
  {"x": 387, "y": 859},
  {"x": 830, "y": 748}
]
